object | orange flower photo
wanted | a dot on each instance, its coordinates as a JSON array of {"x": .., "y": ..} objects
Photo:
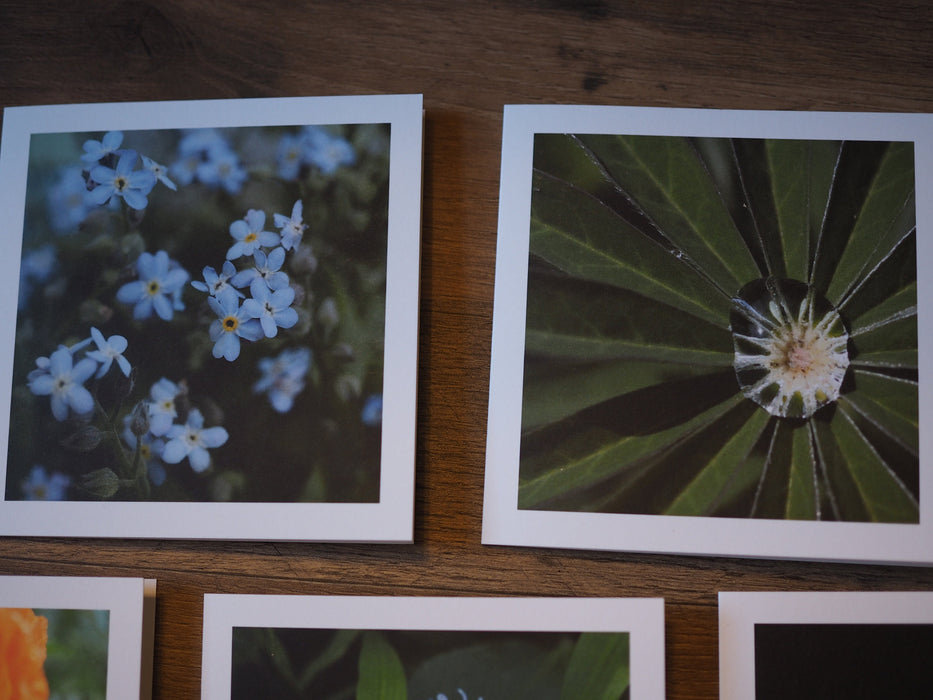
[{"x": 23, "y": 641}]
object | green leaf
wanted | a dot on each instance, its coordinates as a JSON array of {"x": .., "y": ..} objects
[
  {"x": 853, "y": 180},
  {"x": 599, "y": 667},
  {"x": 898, "y": 336},
  {"x": 614, "y": 456},
  {"x": 381, "y": 674},
  {"x": 334, "y": 651},
  {"x": 722, "y": 472},
  {"x": 899, "y": 305},
  {"x": 886, "y": 216},
  {"x": 665, "y": 177},
  {"x": 801, "y": 487},
  {"x": 891, "y": 404},
  {"x": 515, "y": 667},
  {"x": 582, "y": 237},
  {"x": 554, "y": 391},
  {"x": 578, "y": 320},
  {"x": 786, "y": 160},
  {"x": 884, "y": 495}
]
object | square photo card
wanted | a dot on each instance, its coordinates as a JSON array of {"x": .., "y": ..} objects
[
  {"x": 73, "y": 637},
  {"x": 399, "y": 648},
  {"x": 216, "y": 320},
  {"x": 707, "y": 334},
  {"x": 825, "y": 645}
]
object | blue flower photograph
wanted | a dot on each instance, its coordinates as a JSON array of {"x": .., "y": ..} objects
[{"x": 201, "y": 316}]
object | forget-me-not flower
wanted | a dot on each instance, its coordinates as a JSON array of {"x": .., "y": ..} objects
[
  {"x": 38, "y": 266},
  {"x": 232, "y": 323},
  {"x": 107, "y": 351},
  {"x": 289, "y": 156},
  {"x": 68, "y": 201},
  {"x": 249, "y": 236},
  {"x": 192, "y": 440},
  {"x": 327, "y": 151},
  {"x": 268, "y": 269},
  {"x": 160, "y": 172},
  {"x": 64, "y": 382},
  {"x": 371, "y": 415},
  {"x": 272, "y": 308},
  {"x": 213, "y": 283},
  {"x": 283, "y": 377},
  {"x": 222, "y": 169},
  {"x": 162, "y": 410},
  {"x": 123, "y": 181},
  {"x": 42, "y": 486},
  {"x": 94, "y": 151},
  {"x": 159, "y": 281},
  {"x": 293, "y": 227}
]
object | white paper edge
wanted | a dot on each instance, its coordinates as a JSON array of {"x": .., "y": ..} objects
[
  {"x": 642, "y": 618},
  {"x": 390, "y": 520},
  {"x": 504, "y": 524},
  {"x": 122, "y": 597},
  {"x": 740, "y": 612}
]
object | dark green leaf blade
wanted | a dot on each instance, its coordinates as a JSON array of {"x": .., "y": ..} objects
[
  {"x": 885, "y": 217},
  {"x": 579, "y": 235},
  {"x": 730, "y": 469},
  {"x": 553, "y": 391},
  {"x": 577, "y": 320},
  {"x": 890, "y": 403},
  {"x": 382, "y": 676},
  {"x": 786, "y": 160},
  {"x": 598, "y": 668},
  {"x": 801, "y": 487},
  {"x": 669, "y": 183},
  {"x": 611, "y": 456},
  {"x": 885, "y": 497}
]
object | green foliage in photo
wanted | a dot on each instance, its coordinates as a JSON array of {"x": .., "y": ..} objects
[{"x": 722, "y": 327}]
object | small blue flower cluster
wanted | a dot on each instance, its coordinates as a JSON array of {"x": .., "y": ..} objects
[
  {"x": 270, "y": 305},
  {"x": 283, "y": 377},
  {"x": 59, "y": 377},
  {"x": 162, "y": 440},
  {"x": 115, "y": 172},
  {"x": 314, "y": 147},
  {"x": 158, "y": 288},
  {"x": 205, "y": 156},
  {"x": 41, "y": 485}
]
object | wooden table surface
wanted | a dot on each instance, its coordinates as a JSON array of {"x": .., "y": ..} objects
[{"x": 468, "y": 59}]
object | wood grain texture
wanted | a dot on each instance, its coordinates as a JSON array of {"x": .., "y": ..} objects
[{"x": 468, "y": 59}]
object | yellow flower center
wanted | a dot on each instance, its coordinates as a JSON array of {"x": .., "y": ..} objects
[{"x": 230, "y": 323}]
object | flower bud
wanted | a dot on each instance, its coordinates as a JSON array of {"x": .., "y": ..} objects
[
  {"x": 139, "y": 423},
  {"x": 103, "y": 483},
  {"x": 84, "y": 439}
]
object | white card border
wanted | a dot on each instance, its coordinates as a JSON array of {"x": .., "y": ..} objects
[
  {"x": 739, "y": 612},
  {"x": 123, "y": 598},
  {"x": 389, "y": 520},
  {"x": 504, "y": 523},
  {"x": 642, "y": 618}
]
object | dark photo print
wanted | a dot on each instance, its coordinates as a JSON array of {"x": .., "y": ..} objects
[
  {"x": 843, "y": 661},
  {"x": 301, "y": 664},
  {"x": 722, "y": 327}
]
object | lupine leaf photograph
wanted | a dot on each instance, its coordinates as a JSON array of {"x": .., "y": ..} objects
[{"x": 722, "y": 327}]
